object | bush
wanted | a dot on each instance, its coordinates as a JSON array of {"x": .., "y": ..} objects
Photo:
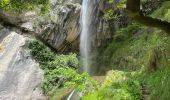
[
  {"x": 118, "y": 85},
  {"x": 59, "y": 70},
  {"x": 41, "y": 53}
]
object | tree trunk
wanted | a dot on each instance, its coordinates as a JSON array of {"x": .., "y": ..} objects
[{"x": 133, "y": 9}]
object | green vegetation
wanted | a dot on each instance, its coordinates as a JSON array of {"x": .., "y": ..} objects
[
  {"x": 111, "y": 14},
  {"x": 133, "y": 47},
  {"x": 20, "y": 5},
  {"x": 122, "y": 3},
  {"x": 158, "y": 83},
  {"x": 118, "y": 85},
  {"x": 60, "y": 71},
  {"x": 137, "y": 56},
  {"x": 141, "y": 55}
]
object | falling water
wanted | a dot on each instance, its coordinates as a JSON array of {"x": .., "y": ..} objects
[
  {"x": 71, "y": 94},
  {"x": 85, "y": 38},
  {"x": 85, "y": 41}
]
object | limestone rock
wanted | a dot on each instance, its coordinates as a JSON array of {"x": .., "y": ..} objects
[
  {"x": 61, "y": 28},
  {"x": 20, "y": 76}
]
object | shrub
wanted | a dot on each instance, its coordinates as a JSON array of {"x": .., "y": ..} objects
[{"x": 59, "y": 70}]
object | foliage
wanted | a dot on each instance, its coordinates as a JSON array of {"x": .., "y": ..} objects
[
  {"x": 141, "y": 54},
  {"x": 122, "y": 3},
  {"x": 59, "y": 70},
  {"x": 148, "y": 7},
  {"x": 163, "y": 11},
  {"x": 117, "y": 87},
  {"x": 141, "y": 50},
  {"x": 119, "y": 54},
  {"x": 112, "y": 14},
  {"x": 109, "y": 15},
  {"x": 150, "y": 51},
  {"x": 41, "y": 53},
  {"x": 20, "y": 5},
  {"x": 159, "y": 84}
]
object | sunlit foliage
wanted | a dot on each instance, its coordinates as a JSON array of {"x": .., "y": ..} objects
[
  {"x": 19, "y": 5},
  {"x": 59, "y": 70}
]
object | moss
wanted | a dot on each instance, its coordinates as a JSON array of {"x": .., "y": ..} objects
[{"x": 163, "y": 11}]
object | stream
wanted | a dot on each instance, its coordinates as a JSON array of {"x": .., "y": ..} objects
[{"x": 71, "y": 95}]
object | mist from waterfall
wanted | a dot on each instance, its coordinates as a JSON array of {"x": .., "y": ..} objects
[{"x": 85, "y": 41}]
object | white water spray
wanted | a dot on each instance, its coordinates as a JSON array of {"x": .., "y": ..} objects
[{"x": 85, "y": 41}]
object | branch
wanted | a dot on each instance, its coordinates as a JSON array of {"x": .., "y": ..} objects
[
  {"x": 163, "y": 0},
  {"x": 133, "y": 9},
  {"x": 153, "y": 22}
]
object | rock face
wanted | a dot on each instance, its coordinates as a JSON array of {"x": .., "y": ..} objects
[
  {"x": 104, "y": 28},
  {"x": 60, "y": 27},
  {"x": 20, "y": 75},
  {"x": 62, "y": 30}
]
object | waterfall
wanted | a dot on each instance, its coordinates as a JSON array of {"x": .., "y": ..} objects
[{"x": 85, "y": 38}]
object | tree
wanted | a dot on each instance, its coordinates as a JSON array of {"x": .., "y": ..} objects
[{"x": 134, "y": 11}]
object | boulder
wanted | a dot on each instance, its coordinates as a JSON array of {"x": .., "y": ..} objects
[{"x": 20, "y": 76}]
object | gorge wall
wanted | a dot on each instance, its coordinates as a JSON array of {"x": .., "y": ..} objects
[
  {"x": 21, "y": 77},
  {"x": 60, "y": 27}
]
